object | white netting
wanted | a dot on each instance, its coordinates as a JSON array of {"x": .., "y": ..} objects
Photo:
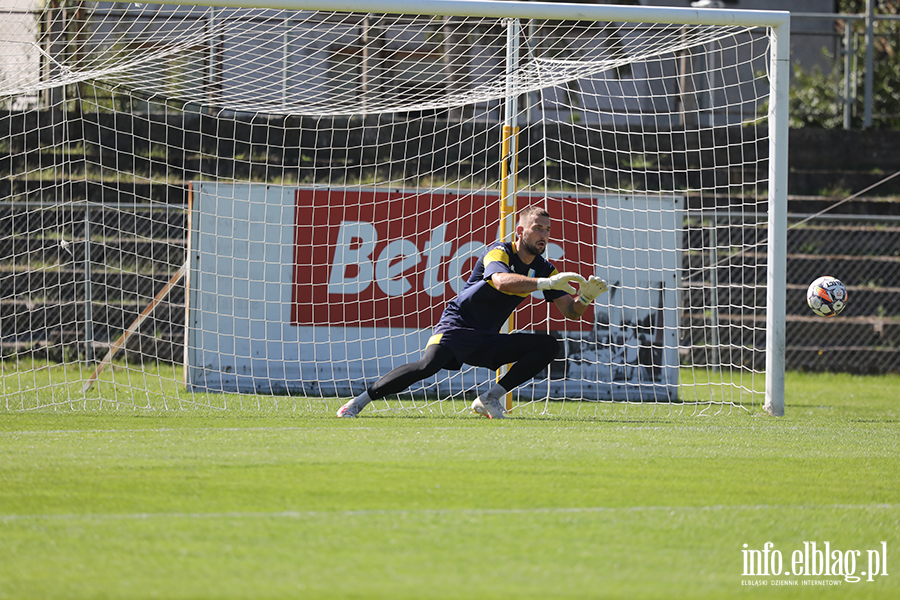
[
  {"x": 313, "y": 63},
  {"x": 336, "y": 174}
]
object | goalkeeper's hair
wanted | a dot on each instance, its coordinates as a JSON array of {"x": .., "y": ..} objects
[{"x": 532, "y": 212}]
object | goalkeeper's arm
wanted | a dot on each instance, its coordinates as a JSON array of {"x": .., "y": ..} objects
[
  {"x": 513, "y": 283},
  {"x": 587, "y": 293},
  {"x": 571, "y": 308}
]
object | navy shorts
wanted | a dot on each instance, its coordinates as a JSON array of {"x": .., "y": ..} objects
[{"x": 484, "y": 348}]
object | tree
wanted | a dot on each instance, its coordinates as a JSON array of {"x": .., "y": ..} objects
[{"x": 814, "y": 98}]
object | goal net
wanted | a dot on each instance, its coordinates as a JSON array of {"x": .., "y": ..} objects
[{"x": 248, "y": 206}]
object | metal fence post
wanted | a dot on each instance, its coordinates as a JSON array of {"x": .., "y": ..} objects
[
  {"x": 870, "y": 44},
  {"x": 848, "y": 55}
]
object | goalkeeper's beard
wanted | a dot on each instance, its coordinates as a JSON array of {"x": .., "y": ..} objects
[{"x": 532, "y": 248}]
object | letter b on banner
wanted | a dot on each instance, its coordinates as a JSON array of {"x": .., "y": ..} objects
[{"x": 355, "y": 245}]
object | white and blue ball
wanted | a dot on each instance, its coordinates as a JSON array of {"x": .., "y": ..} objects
[{"x": 827, "y": 296}]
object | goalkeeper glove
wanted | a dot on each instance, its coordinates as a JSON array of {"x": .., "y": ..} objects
[
  {"x": 590, "y": 290},
  {"x": 560, "y": 281}
]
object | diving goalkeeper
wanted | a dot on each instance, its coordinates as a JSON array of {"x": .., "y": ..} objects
[{"x": 468, "y": 331}]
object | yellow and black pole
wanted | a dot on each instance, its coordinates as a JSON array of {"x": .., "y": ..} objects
[
  {"x": 508, "y": 215},
  {"x": 509, "y": 159}
]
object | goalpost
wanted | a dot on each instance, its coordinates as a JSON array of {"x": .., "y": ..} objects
[{"x": 232, "y": 202}]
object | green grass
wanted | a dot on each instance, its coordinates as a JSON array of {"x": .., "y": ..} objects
[{"x": 285, "y": 501}]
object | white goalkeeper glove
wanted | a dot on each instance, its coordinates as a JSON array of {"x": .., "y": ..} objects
[
  {"x": 590, "y": 290},
  {"x": 560, "y": 281}
]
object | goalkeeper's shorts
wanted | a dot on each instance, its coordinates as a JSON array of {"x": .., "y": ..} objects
[{"x": 484, "y": 348}]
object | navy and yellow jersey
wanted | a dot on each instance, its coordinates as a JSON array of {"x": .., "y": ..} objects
[{"x": 480, "y": 305}]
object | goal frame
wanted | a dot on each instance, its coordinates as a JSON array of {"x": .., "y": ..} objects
[{"x": 778, "y": 22}]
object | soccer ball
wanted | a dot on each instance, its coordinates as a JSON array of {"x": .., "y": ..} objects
[{"x": 826, "y": 296}]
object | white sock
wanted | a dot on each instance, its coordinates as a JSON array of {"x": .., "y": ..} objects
[
  {"x": 495, "y": 393},
  {"x": 362, "y": 400}
]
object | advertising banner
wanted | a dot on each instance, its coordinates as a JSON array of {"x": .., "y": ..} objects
[
  {"x": 394, "y": 259},
  {"x": 319, "y": 291}
]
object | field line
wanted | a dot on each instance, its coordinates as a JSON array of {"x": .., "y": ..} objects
[
  {"x": 355, "y": 427},
  {"x": 315, "y": 514}
]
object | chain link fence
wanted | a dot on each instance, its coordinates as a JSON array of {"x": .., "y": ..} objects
[
  {"x": 134, "y": 251},
  {"x": 864, "y": 253}
]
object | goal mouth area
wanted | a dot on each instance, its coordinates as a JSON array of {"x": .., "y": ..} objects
[
  {"x": 278, "y": 198},
  {"x": 48, "y": 386}
]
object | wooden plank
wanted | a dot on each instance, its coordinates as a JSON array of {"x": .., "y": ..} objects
[{"x": 135, "y": 326}]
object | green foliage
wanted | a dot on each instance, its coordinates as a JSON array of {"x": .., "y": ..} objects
[
  {"x": 815, "y": 96},
  {"x": 814, "y": 101}
]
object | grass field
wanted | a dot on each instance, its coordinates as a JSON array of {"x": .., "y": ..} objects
[{"x": 293, "y": 503}]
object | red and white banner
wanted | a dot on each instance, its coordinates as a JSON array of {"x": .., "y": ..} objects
[
  {"x": 394, "y": 259},
  {"x": 317, "y": 292}
]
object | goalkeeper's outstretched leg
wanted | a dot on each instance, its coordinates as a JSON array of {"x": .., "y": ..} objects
[
  {"x": 529, "y": 353},
  {"x": 433, "y": 360}
]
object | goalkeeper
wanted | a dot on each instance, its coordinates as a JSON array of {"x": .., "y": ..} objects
[{"x": 468, "y": 331}]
